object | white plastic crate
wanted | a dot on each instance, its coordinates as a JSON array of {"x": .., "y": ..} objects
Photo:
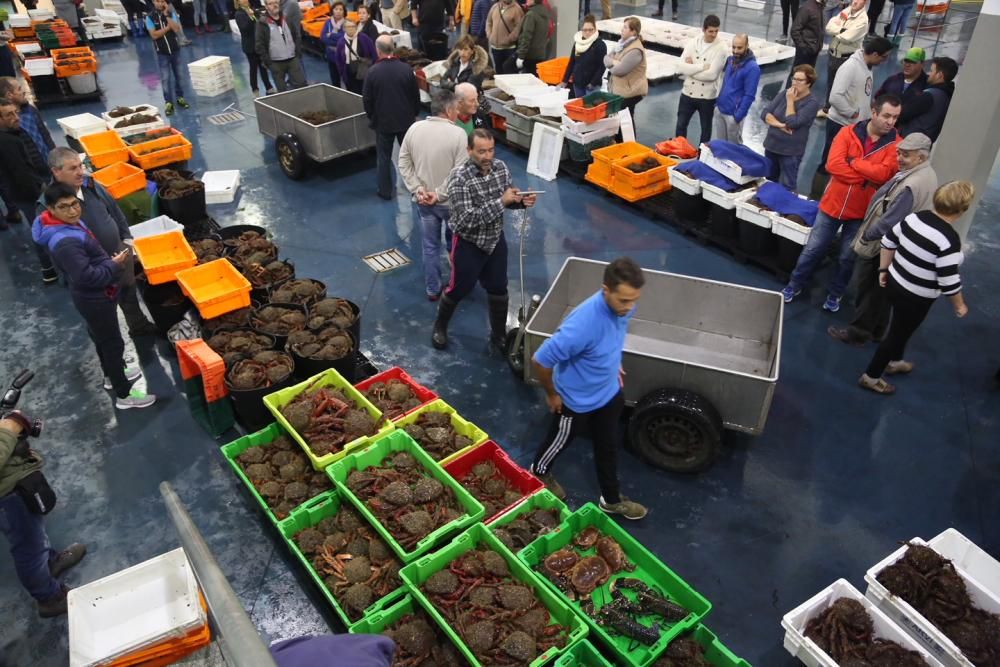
[
  {"x": 547, "y": 150},
  {"x": 806, "y": 650},
  {"x": 208, "y": 64},
  {"x": 158, "y": 225},
  {"x": 579, "y": 127},
  {"x": 28, "y": 48},
  {"x": 538, "y": 97},
  {"x": 133, "y": 609},
  {"x": 727, "y": 168},
  {"x": 221, "y": 186},
  {"x": 39, "y": 66},
  {"x": 81, "y": 125},
  {"x": 41, "y": 14},
  {"x": 747, "y": 212},
  {"x": 497, "y": 106},
  {"x": 512, "y": 84},
  {"x": 589, "y": 137},
  {"x": 976, "y": 563},
  {"x": 19, "y": 21},
  {"x": 721, "y": 198},
  {"x": 683, "y": 182},
  {"x": 788, "y": 229},
  {"x": 985, "y": 595},
  {"x": 212, "y": 91}
]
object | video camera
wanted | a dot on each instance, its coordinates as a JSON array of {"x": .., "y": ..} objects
[{"x": 8, "y": 406}]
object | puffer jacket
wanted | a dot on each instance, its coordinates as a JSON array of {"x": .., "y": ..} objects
[
  {"x": 474, "y": 73},
  {"x": 855, "y": 177},
  {"x": 534, "y": 36}
]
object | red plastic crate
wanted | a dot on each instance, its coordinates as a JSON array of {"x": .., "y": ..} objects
[
  {"x": 520, "y": 479},
  {"x": 424, "y": 394}
]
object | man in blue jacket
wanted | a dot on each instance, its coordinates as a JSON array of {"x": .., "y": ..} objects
[
  {"x": 580, "y": 369},
  {"x": 739, "y": 89},
  {"x": 93, "y": 285}
]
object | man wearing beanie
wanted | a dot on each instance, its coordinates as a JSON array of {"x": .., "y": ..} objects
[
  {"x": 908, "y": 84},
  {"x": 909, "y": 191}
]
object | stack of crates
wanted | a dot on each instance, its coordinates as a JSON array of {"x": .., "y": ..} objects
[
  {"x": 588, "y": 128},
  {"x": 211, "y": 76},
  {"x": 204, "y": 375},
  {"x": 73, "y": 61},
  {"x": 54, "y": 34},
  {"x": 632, "y": 186}
]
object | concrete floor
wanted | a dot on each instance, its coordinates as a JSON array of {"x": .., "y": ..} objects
[{"x": 837, "y": 479}]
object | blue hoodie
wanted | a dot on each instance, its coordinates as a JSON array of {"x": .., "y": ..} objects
[
  {"x": 77, "y": 254},
  {"x": 739, "y": 86}
]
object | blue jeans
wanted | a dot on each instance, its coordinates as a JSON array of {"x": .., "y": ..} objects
[
  {"x": 900, "y": 17},
  {"x": 170, "y": 76},
  {"x": 29, "y": 545},
  {"x": 686, "y": 109},
  {"x": 580, "y": 91},
  {"x": 200, "y": 12},
  {"x": 823, "y": 233},
  {"x": 784, "y": 169},
  {"x": 431, "y": 220}
]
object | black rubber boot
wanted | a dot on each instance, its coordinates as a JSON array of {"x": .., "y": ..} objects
[
  {"x": 446, "y": 308},
  {"x": 498, "y": 320}
]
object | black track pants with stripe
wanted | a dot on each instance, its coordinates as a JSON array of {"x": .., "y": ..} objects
[{"x": 602, "y": 426}]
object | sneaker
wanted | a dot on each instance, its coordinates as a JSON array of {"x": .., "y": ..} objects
[
  {"x": 67, "y": 558},
  {"x": 656, "y": 15},
  {"x": 832, "y": 303},
  {"x": 135, "y": 399},
  {"x": 49, "y": 276},
  {"x": 900, "y": 367},
  {"x": 131, "y": 374},
  {"x": 625, "y": 507},
  {"x": 790, "y": 293},
  {"x": 554, "y": 487},
  {"x": 183, "y": 103},
  {"x": 186, "y": 42},
  {"x": 271, "y": 91},
  {"x": 169, "y": 109},
  {"x": 878, "y": 385},
  {"x": 676, "y": 16},
  {"x": 54, "y": 607}
]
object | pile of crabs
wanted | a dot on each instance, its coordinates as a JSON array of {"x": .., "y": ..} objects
[
  {"x": 846, "y": 632},
  {"x": 327, "y": 419},
  {"x": 491, "y": 487},
  {"x": 591, "y": 560},
  {"x": 394, "y": 398},
  {"x": 436, "y": 434},
  {"x": 421, "y": 643},
  {"x": 282, "y": 476}
]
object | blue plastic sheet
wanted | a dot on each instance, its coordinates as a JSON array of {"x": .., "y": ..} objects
[
  {"x": 751, "y": 162},
  {"x": 702, "y": 172},
  {"x": 777, "y": 198}
]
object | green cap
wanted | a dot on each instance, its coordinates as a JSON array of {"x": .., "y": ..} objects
[{"x": 914, "y": 55}]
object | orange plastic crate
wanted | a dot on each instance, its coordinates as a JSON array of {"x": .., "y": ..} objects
[
  {"x": 72, "y": 52},
  {"x": 600, "y": 172},
  {"x": 121, "y": 179},
  {"x": 158, "y": 152},
  {"x": 104, "y": 148},
  {"x": 215, "y": 287},
  {"x": 80, "y": 66},
  {"x": 313, "y": 28},
  {"x": 196, "y": 358},
  {"x": 576, "y": 111},
  {"x": 163, "y": 255},
  {"x": 633, "y": 194},
  {"x": 499, "y": 122},
  {"x": 316, "y": 13},
  {"x": 552, "y": 71},
  {"x": 621, "y": 175},
  {"x": 20, "y": 33}
]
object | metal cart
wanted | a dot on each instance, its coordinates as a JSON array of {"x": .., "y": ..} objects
[
  {"x": 700, "y": 356},
  {"x": 295, "y": 140}
]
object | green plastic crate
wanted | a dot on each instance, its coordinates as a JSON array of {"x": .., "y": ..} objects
[
  {"x": 539, "y": 500},
  {"x": 416, "y": 573},
  {"x": 582, "y": 654},
  {"x": 308, "y": 515},
  {"x": 377, "y": 620},
  {"x": 328, "y": 378},
  {"x": 648, "y": 569},
  {"x": 400, "y": 441},
  {"x": 461, "y": 426},
  {"x": 614, "y": 102},
  {"x": 715, "y": 652},
  {"x": 216, "y": 417}
]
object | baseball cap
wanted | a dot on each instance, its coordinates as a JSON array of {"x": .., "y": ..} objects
[{"x": 914, "y": 55}]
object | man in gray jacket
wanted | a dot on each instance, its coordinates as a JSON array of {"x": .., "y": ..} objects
[
  {"x": 851, "y": 91},
  {"x": 909, "y": 191},
  {"x": 279, "y": 45}
]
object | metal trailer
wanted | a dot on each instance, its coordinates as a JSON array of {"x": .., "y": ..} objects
[
  {"x": 295, "y": 140},
  {"x": 700, "y": 356}
]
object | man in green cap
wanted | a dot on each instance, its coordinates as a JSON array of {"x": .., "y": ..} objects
[{"x": 908, "y": 84}]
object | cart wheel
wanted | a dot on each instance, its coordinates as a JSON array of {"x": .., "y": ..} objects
[
  {"x": 675, "y": 430},
  {"x": 291, "y": 157},
  {"x": 514, "y": 356}
]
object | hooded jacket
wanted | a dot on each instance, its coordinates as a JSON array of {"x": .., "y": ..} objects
[
  {"x": 92, "y": 274},
  {"x": 851, "y": 93},
  {"x": 105, "y": 218},
  {"x": 474, "y": 73},
  {"x": 855, "y": 176},
  {"x": 739, "y": 86},
  {"x": 534, "y": 33},
  {"x": 926, "y": 112}
]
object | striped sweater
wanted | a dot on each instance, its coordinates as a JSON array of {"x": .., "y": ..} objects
[{"x": 928, "y": 254}]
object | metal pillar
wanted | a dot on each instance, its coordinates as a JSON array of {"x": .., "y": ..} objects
[
  {"x": 970, "y": 138},
  {"x": 567, "y": 24}
]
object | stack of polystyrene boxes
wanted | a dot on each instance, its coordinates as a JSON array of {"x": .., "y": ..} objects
[{"x": 211, "y": 76}]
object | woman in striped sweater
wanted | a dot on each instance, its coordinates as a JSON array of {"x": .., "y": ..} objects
[{"x": 919, "y": 262}]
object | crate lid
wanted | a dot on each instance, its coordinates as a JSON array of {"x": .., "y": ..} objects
[{"x": 546, "y": 151}]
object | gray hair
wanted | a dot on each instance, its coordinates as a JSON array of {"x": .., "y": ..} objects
[
  {"x": 59, "y": 155},
  {"x": 385, "y": 45},
  {"x": 466, "y": 89},
  {"x": 442, "y": 101}
]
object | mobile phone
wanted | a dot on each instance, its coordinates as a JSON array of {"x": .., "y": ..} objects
[{"x": 531, "y": 192}]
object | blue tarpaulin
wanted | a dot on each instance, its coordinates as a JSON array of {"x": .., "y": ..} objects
[
  {"x": 777, "y": 198},
  {"x": 751, "y": 162},
  {"x": 702, "y": 172}
]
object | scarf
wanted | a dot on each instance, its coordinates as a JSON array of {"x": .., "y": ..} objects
[
  {"x": 622, "y": 43},
  {"x": 583, "y": 43}
]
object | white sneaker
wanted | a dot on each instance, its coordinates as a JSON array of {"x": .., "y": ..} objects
[
  {"x": 135, "y": 399},
  {"x": 131, "y": 374}
]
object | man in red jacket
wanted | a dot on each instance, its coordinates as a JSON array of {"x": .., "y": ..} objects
[{"x": 862, "y": 158}]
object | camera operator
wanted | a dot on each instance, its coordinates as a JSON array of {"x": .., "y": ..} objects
[{"x": 37, "y": 564}]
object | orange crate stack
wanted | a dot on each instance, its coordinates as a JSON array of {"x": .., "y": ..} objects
[
  {"x": 196, "y": 359},
  {"x": 158, "y": 152},
  {"x": 171, "y": 650},
  {"x": 163, "y": 255},
  {"x": 552, "y": 71},
  {"x": 121, "y": 179},
  {"x": 22, "y": 33},
  {"x": 78, "y": 66},
  {"x": 104, "y": 148},
  {"x": 620, "y": 172},
  {"x": 72, "y": 52},
  {"x": 215, "y": 287},
  {"x": 321, "y": 11},
  {"x": 599, "y": 172}
]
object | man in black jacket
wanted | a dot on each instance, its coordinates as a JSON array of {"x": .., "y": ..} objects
[
  {"x": 108, "y": 225},
  {"x": 908, "y": 84},
  {"x": 807, "y": 34},
  {"x": 23, "y": 174},
  {"x": 392, "y": 101},
  {"x": 927, "y": 111},
  {"x": 430, "y": 17}
]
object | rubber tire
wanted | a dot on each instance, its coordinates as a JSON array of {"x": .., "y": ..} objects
[
  {"x": 293, "y": 163},
  {"x": 694, "y": 418},
  {"x": 515, "y": 358}
]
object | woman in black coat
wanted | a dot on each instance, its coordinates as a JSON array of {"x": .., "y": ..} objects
[
  {"x": 246, "y": 21},
  {"x": 586, "y": 60}
]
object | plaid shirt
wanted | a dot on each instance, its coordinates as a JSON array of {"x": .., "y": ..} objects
[{"x": 476, "y": 209}]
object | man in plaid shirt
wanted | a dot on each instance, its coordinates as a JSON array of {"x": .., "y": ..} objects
[{"x": 479, "y": 190}]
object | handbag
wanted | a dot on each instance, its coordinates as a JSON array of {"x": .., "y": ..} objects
[
  {"x": 358, "y": 68},
  {"x": 36, "y": 493}
]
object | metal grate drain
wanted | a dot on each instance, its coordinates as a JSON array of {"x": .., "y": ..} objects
[
  {"x": 226, "y": 118},
  {"x": 387, "y": 260}
]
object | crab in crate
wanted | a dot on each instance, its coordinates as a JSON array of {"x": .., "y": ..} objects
[
  {"x": 683, "y": 652},
  {"x": 262, "y": 370},
  {"x": 490, "y": 487},
  {"x": 435, "y": 433},
  {"x": 421, "y": 643},
  {"x": 234, "y": 319},
  {"x": 282, "y": 476},
  {"x": 394, "y": 397},
  {"x": 327, "y": 420},
  {"x": 233, "y": 345},
  {"x": 522, "y": 530}
]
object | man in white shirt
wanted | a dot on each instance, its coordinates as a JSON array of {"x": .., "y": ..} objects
[{"x": 701, "y": 64}]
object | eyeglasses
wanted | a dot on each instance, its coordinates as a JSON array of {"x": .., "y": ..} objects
[
  {"x": 588, "y": 29},
  {"x": 796, "y": 79},
  {"x": 68, "y": 206}
]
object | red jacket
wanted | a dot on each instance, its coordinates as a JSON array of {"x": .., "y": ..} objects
[{"x": 854, "y": 176}]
